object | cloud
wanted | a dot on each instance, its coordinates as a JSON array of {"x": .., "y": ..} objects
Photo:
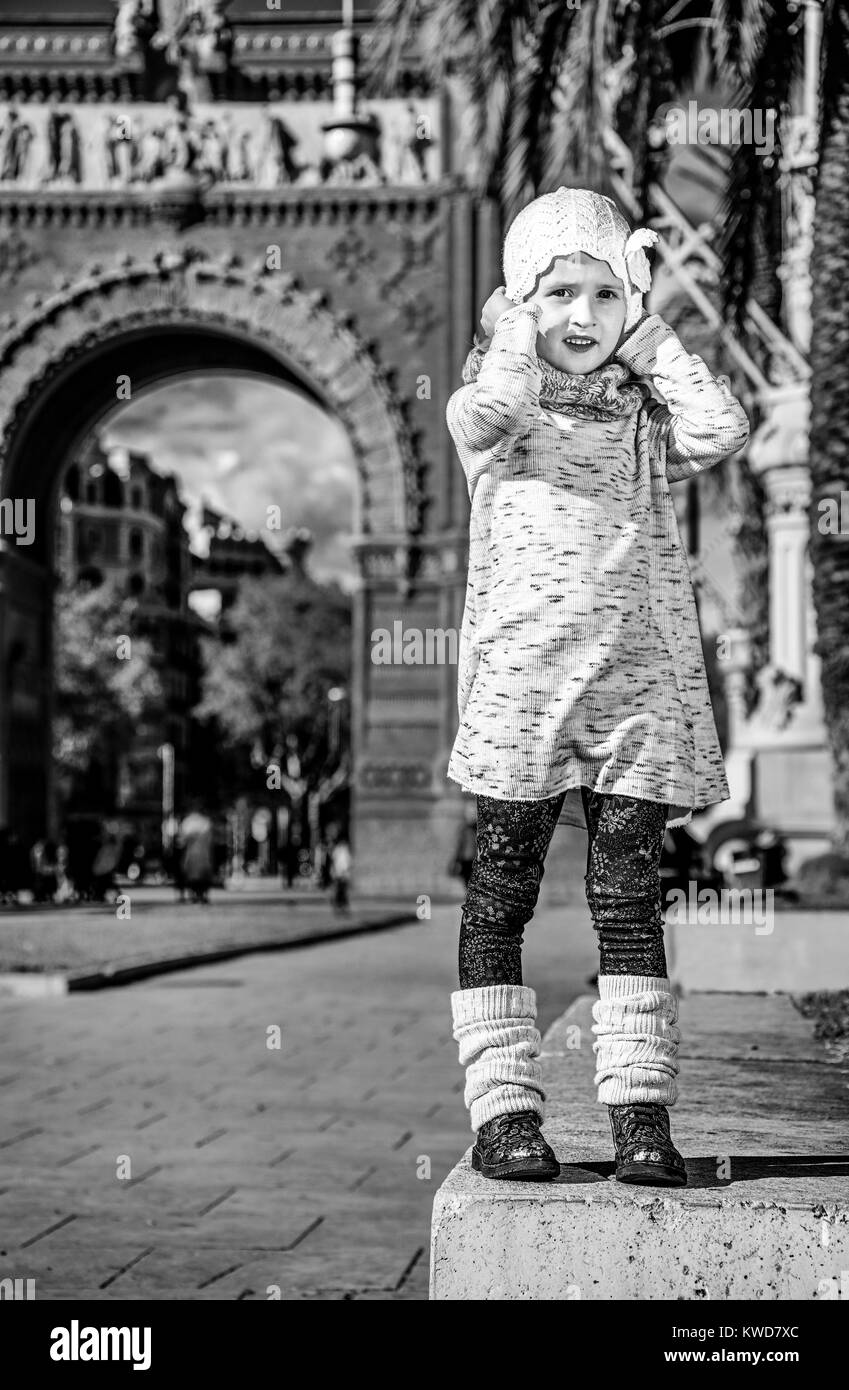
[
  {"x": 243, "y": 444},
  {"x": 228, "y": 459}
]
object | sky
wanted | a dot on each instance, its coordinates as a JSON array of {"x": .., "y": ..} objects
[{"x": 242, "y": 444}]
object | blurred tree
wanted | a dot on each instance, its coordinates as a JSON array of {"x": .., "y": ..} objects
[
  {"x": 106, "y": 687},
  {"x": 286, "y": 643}
]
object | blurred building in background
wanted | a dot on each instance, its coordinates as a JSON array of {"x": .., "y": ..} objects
[
  {"x": 232, "y": 555},
  {"x": 121, "y": 523},
  {"x": 120, "y": 520}
]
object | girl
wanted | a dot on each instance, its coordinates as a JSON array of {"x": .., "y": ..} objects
[{"x": 581, "y": 682}]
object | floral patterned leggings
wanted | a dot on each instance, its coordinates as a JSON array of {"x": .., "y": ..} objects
[{"x": 622, "y": 884}]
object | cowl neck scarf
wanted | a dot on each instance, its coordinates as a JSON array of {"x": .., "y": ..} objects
[{"x": 603, "y": 394}]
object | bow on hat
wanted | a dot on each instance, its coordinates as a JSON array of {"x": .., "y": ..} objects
[{"x": 636, "y": 259}]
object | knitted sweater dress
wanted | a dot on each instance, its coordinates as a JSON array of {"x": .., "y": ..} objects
[{"x": 580, "y": 657}]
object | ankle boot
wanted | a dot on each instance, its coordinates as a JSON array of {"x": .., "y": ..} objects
[
  {"x": 511, "y": 1146},
  {"x": 645, "y": 1152}
]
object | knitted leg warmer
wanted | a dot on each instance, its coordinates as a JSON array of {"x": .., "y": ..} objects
[
  {"x": 495, "y": 1027},
  {"x": 637, "y": 1047}
]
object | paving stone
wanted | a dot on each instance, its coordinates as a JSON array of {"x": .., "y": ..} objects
[{"x": 165, "y": 1066}]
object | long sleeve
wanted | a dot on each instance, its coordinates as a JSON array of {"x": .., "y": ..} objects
[
  {"x": 498, "y": 406},
  {"x": 701, "y": 422}
]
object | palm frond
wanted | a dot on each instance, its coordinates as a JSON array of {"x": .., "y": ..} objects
[
  {"x": 575, "y": 149},
  {"x": 490, "y": 74},
  {"x": 752, "y": 215},
  {"x": 527, "y": 134},
  {"x": 653, "y": 81},
  {"x": 834, "y": 66},
  {"x": 738, "y": 33},
  {"x": 397, "y": 27},
  {"x": 482, "y": 44}
]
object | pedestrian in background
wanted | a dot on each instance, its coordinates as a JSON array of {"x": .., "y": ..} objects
[
  {"x": 105, "y": 866},
  {"x": 340, "y": 869},
  {"x": 196, "y": 858},
  {"x": 45, "y": 879}
]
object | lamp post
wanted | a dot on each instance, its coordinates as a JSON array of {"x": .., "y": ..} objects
[{"x": 166, "y": 757}]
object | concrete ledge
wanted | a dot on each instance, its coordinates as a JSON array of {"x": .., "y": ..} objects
[
  {"x": 19, "y": 985},
  {"x": 789, "y": 950},
  {"x": 762, "y": 1124}
]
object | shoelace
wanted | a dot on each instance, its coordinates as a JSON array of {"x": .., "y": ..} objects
[
  {"x": 513, "y": 1122},
  {"x": 641, "y": 1122},
  {"x": 507, "y": 1128}
]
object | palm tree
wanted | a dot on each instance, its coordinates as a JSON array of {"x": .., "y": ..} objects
[
  {"x": 539, "y": 80},
  {"x": 555, "y": 94},
  {"x": 829, "y": 436}
]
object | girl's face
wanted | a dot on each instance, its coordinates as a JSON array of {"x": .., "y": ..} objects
[{"x": 583, "y": 313}]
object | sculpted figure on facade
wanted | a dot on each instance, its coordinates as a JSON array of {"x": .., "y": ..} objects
[
  {"x": 64, "y": 152},
  {"x": 132, "y": 29},
  {"x": 279, "y": 143},
  {"x": 197, "y": 40},
  {"x": 16, "y": 137}
]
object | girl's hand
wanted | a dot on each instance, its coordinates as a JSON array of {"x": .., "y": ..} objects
[
  {"x": 495, "y": 306},
  {"x": 626, "y": 333}
]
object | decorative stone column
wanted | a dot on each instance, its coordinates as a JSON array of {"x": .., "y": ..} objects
[
  {"x": 790, "y": 766},
  {"x": 785, "y": 739},
  {"x": 778, "y": 454}
]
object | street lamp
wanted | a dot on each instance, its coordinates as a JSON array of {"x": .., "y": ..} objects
[{"x": 166, "y": 755}]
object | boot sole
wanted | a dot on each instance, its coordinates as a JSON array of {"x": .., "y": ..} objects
[
  {"x": 651, "y": 1175},
  {"x": 539, "y": 1170}
]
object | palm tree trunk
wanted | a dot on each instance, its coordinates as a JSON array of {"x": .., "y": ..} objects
[{"x": 829, "y": 443}]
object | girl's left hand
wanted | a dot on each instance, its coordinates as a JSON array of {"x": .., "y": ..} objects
[{"x": 628, "y": 332}]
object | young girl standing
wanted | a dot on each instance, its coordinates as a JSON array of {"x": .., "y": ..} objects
[{"x": 581, "y": 681}]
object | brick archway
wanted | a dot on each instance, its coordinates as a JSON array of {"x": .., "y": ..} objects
[
  {"x": 267, "y": 311},
  {"x": 177, "y": 311}
]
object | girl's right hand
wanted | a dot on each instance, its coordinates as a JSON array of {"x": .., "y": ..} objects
[{"x": 495, "y": 306}]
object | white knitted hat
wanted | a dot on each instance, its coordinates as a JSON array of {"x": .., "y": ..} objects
[{"x": 575, "y": 219}]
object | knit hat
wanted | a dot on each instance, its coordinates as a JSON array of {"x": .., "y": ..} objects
[{"x": 575, "y": 219}]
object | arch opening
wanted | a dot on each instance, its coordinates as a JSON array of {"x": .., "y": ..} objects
[
  {"x": 84, "y": 392},
  {"x": 175, "y": 316},
  {"x": 53, "y": 459}
]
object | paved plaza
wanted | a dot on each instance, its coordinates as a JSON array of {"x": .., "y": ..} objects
[
  {"x": 146, "y": 930},
  {"x": 157, "y": 1142}
]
